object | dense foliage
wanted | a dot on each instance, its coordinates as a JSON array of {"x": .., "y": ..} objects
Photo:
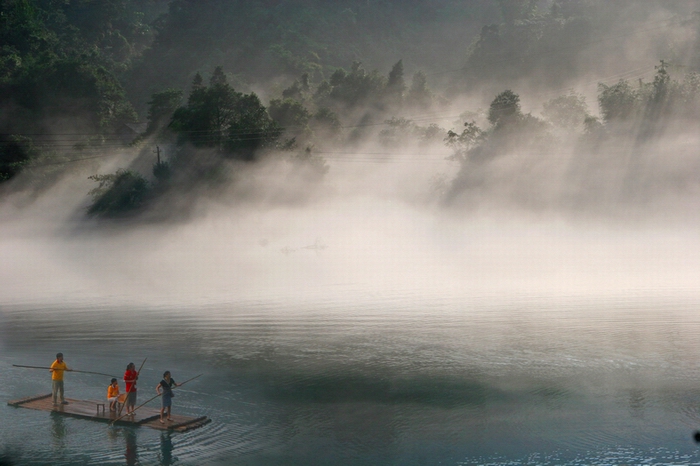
[
  {"x": 118, "y": 193},
  {"x": 78, "y": 76},
  {"x": 60, "y": 64},
  {"x": 216, "y": 116},
  {"x": 635, "y": 118}
]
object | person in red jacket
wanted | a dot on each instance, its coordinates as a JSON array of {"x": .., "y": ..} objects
[{"x": 130, "y": 378}]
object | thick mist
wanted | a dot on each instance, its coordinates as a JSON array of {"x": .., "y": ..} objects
[
  {"x": 371, "y": 230},
  {"x": 541, "y": 209},
  {"x": 383, "y": 232}
]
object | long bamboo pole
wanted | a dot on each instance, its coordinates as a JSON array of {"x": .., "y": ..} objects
[
  {"x": 148, "y": 401},
  {"x": 132, "y": 385},
  {"x": 69, "y": 370}
]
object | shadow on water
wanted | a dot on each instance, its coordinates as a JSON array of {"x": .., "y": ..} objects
[
  {"x": 9, "y": 457},
  {"x": 440, "y": 392},
  {"x": 58, "y": 430},
  {"x": 131, "y": 454},
  {"x": 166, "y": 449},
  {"x": 289, "y": 382},
  {"x": 165, "y": 455}
]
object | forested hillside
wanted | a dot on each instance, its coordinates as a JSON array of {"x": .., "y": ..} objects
[{"x": 221, "y": 83}]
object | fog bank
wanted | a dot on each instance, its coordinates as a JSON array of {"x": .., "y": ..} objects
[{"x": 346, "y": 244}]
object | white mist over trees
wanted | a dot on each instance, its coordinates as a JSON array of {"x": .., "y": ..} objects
[
  {"x": 240, "y": 147},
  {"x": 306, "y": 89}
]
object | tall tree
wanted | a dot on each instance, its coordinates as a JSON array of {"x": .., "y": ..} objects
[
  {"x": 161, "y": 108},
  {"x": 396, "y": 85},
  {"x": 217, "y": 116},
  {"x": 251, "y": 129},
  {"x": 617, "y": 102},
  {"x": 504, "y": 108},
  {"x": 419, "y": 95}
]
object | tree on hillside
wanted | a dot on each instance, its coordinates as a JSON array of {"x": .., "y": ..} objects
[
  {"x": 357, "y": 87},
  {"x": 209, "y": 112},
  {"x": 512, "y": 133},
  {"x": 462, "y": 143},
  {"x": 525, "y": 43},
  {"x": 21, "y": 28},
  {"x": 161, "y": 108},
  {"x": 326, "y": 122},
  {"x": 118, "y": 193},
  {"x": 617, "y": 102},
  {"x": 664, "y": 94},
  {"x": 322, "y": 95},
  {"x": 396, "y": 86},
  {"x": 251, "y": 129},
  {"x": 419, "y": 95},
  {"x": 290, "y": 114},
  {"x": 216, "y": 116},
  {"x": 15, "y": 153},
  {"x": 567, "y": 111},
  {"x": 505, "y": 108},
  {"x": 88, "y": 95},
  {"x": 299, "y": 89}
]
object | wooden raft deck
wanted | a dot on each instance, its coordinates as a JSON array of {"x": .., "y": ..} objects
[{"x": 86, "y": 409}]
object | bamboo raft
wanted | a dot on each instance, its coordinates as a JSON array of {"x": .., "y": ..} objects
[{"x": 99, "y": 411}]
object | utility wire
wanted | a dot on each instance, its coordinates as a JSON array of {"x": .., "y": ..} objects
[
  {"x": 65, "y": 161},
  {"x": 256, "y": 134}
]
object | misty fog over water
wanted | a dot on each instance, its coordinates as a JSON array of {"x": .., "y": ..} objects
[
  {"x": 363, "y": 328},
  {"x": 374, "y": 240},
  {"x": 442, "y": 233}
]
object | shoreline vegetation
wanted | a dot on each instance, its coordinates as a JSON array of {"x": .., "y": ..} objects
[{"x": 195, "y": 95}]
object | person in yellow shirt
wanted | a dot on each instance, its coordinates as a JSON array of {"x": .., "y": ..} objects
[
  {"x": 113, "y": 395},
  {"x": 57, "y": 369}
]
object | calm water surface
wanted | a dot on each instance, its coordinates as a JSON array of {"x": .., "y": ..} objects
[{"x": 379, "y": 379}]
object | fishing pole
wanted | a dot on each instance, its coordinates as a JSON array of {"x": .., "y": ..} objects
[
  {"x": 148, "y": 401},
  {"x": 69, "y": 370}
]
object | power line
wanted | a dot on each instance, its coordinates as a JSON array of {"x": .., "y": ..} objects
[
  {"x": 214, "y": 134},
  {"x": 625, "y": 75},
  {"x": 257, "y": 134},
  {"x": 65, "y": 161}
]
